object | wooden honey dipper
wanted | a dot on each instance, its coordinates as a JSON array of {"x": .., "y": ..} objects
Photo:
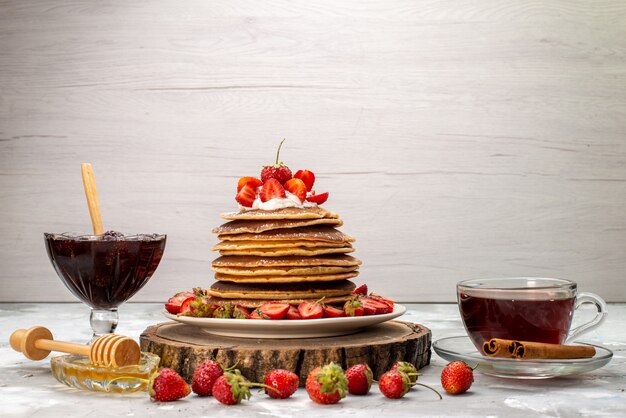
[{"x": 109, "y": 350}]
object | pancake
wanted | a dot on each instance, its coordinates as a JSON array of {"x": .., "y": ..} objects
[
  {"x": 242, "y": 245},
  {"x": 255, "y": 261},
  {"x": 305, "y": 233},
  {"x": 286, "y": 279},
  {"x": 280, "y": 291},
  {"x": 255, "y": 227},
  {"x": 281, "y": 252},
  {"x": 284, "y": 271},
  {"x": 255, "y": 303},
  {"x": 315, "y": 212}
]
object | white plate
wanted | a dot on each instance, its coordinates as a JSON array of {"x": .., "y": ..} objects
[
  {"x": 286, "y": 328},
  {"x": 461, "y": 348}
]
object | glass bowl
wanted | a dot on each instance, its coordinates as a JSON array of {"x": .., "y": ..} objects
[
  {"x": 105, "y": 270},
  {"x": 77, "y": 372}
]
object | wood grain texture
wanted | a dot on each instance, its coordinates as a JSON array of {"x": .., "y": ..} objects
[
  {"x": 183, "y": 348},
  {"x": 457, "y": 139}
]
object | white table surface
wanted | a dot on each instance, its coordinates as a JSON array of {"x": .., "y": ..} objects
[{"x": 28, "y": 389}]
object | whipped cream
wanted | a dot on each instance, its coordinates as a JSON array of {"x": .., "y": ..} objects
[{"x": 290, "y": 201}]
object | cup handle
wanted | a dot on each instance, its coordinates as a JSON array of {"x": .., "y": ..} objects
[{"x": 584, "y": 297}]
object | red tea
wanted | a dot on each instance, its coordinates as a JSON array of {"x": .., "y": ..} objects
[{"x": 541, "y": 320}]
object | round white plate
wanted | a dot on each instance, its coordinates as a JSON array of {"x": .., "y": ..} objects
[
  {"x": 461, "y": 348},
  {"x": 286, "y": 328}
]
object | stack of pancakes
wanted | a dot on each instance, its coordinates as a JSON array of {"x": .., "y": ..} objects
[{"x": 288, "y": 255}]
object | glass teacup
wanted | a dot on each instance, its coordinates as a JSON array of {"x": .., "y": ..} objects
[{"x": 525, "y": 309}]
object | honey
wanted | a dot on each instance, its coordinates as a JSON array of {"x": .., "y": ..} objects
[{"x": 77, "y": 372}]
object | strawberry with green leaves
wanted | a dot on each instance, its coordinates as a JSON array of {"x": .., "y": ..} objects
[
  {"x": 353, "y": 307},
  {"x": 327, "y": 384},
  {"x": 231, "y": 388}
]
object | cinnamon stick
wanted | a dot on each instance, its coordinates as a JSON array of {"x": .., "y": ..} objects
[{"x": 497, "y": 347}]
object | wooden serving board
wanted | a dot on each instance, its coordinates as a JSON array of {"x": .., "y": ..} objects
[{"x": 183, "y": 347}]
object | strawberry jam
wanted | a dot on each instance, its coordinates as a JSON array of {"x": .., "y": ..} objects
[{"x": 105, "y": 270}]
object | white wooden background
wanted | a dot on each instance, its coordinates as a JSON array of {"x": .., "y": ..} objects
[{"x": 458, "y": 139}]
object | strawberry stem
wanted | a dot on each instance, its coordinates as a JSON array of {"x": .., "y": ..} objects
[
  {"x": 278, "y": 152},
  {"x": 431, "y": 388}
]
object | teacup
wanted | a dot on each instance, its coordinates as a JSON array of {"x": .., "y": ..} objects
[{"x": 525, "y": 309}]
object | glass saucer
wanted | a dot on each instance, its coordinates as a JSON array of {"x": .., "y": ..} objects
[
  {"x": 77, "y": 372},
  {"x": 461, "y": 348}
]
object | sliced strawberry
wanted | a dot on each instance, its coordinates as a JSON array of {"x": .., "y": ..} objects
[
  {"x": 174, "y": 303},
  {"x": 293, "y": 313},
  {"x": 297, "y": 187},
  {"x": 361, "y": 290},
  {"x": 382, "y": 299},
  {"x": 274, "y": 310},
  {"x": 272, "y": 189},
  {"x": 318, "y": 198},
  {"x": 353, "y": 307},
  {"x": 253, "y": 181},
  {"x": 246, "y": 195},
  {"x": 185, "y": 308},
  {"x": 307, "y": 177},
  {"x": 311, "y": 310},
  {"x": 332, "y": 312},
  {"x": 374, "y": 307},
  {"x": 256, "y": 314},
  {"x": 239, "y": 312}
]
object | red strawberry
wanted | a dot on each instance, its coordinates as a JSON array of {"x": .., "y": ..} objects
[
  {"x": 274, "y": 310},
  {"x": 360, "y": 378},
  {"x": 253, "y": 181},
  {"x": 231, "y": 387},
  {"x": 272, "y": 189},
  {"x": 311, "y": 310},
  {"x": 174, "y": 303},
  {"x": 239, "y": 312},
  {"x": 307, "y": 177},
  {"x": 166, "y": 385},
  {"x": 353, "y": 307},
  {"x": 256, "y": 314},
  {"x": 318, "y": 198},
  {"x": 284, "y": 381},
  {"x": 361, "y": 290},
  {"x": 246, "y": 195},
  {"x": 382, "y": 299},
  {"x": 205, "y": 376},
  {"x": 296, "y": 187},
  {"x": 293, "y": 313},
  {"x": 394, "y": 384},
  {"x": 327, "y": 384},
  {"x": 185, "y": 307},
  {"x": 374, "y": 307},
  {"x": 278, "y": 171},
  {"x": 457, "y": 377},
  {"x": 332, "y": 312}
]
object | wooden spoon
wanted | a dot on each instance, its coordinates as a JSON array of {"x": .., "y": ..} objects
[
  {"x": 109, "y": 350},
  {"x": 89, "y": 182}
]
